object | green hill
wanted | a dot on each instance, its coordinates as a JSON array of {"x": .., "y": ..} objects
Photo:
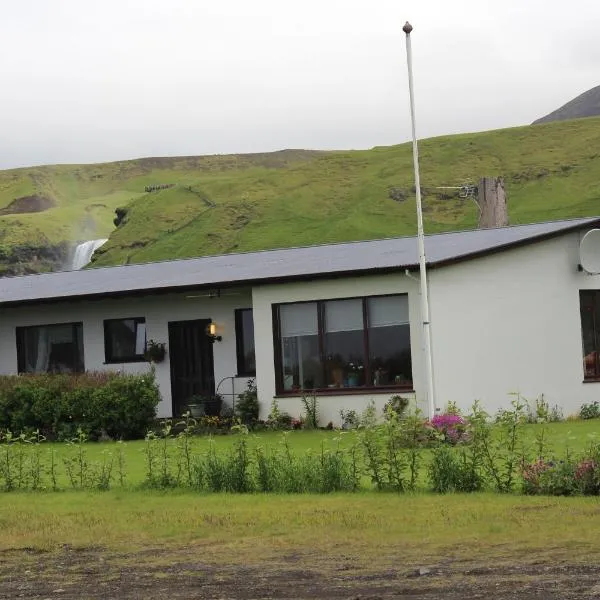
[{"x": 233, "y": 203}]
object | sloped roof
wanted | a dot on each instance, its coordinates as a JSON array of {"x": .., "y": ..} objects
[{"x": 276, "y": 265}]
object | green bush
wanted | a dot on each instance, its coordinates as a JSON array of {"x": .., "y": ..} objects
[
  {"x": 396, "y": 404},
  {"x": 590, "y": 411},
  {"x": 121, "y": 406},
  {"x": 247, "y": 407}
]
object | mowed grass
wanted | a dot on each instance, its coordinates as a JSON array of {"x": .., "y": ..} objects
[
  {"x": 559, "y": 438},
  {"x": 376, "y": 529},
  {"x": 366, "y": 532}
]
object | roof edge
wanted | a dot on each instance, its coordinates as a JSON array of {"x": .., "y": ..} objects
[{"x": 534, "y": 239}]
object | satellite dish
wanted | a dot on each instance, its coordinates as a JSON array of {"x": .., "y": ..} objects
[{"x": 589, "y": 251}]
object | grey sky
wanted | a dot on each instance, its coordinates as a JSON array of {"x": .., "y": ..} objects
[{"x": 86, "y": 81}]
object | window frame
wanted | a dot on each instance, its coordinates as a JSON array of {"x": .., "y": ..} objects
[
  {"x": 20, "y": 337},
  {"x": 595, "y": 304},
  {"x": 108, "y": 360},
  {"x": 408, "y": 386},
  {"x": 242, "y": 371}
]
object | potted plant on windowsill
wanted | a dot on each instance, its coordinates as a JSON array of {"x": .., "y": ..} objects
[
  {"x": 354, "y": 372},
  {"x": 155, "y": 351}
]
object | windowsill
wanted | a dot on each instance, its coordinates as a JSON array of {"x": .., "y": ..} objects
[
  {"x": 591, "y": 380},
  {"x": 121, "y": 361},
  {"x": 347, "y": 391},
  {"x": 245, "y": 376}
]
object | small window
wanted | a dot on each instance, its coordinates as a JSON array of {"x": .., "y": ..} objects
[
  {"x": 244, "y": 335},
  {"x": 50, "y": 348},
  {"x": 124, "y": 340}
]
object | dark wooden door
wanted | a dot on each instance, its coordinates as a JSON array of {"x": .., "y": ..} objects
[{"x": 191, "y": 358}]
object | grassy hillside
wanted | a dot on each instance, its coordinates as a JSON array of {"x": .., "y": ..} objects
[
  {"x": 552, "y": 171},
  {"x": 45, "y": 210},
  {"x": 245, "y": 202}
]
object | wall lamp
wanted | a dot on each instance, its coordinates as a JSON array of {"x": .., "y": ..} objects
[{"x": 211, "y": 332}]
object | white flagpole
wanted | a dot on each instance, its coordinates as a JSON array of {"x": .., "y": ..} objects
[{"x": 420, "y": 237}]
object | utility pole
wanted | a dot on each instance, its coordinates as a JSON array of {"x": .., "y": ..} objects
[{"x": 420, "y": 238}]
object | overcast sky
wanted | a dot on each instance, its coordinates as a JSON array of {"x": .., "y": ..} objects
[{"x": 89, "y": 81}]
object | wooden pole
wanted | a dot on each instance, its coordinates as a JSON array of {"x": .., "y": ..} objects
[{"x": 493, "y": 211}]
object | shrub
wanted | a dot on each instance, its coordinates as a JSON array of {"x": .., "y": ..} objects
[
  {"x": 311, "y": 410},
  {"x": 552, "y": 478},
  {"x": 349, "y": 419},
  {"x": 396, "y": 404},
  {"x": 543, "y": 412},
  {"x": 590, "y": 411},
  {"x": 122, "y": 406},
  {"x": 449, "y": 428},
  {"x": 278, "y": 419},
  {"x": 247, "y": 407}
]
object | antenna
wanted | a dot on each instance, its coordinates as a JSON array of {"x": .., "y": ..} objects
[
  {"x": 589, "y": 252},
  {"x": 466, "y": 190}
]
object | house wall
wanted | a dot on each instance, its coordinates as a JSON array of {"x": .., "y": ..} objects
[
  {"x": 510, "y": 322},
  {"x": 157, "y": 310},
  {"x": 263, "y": 299}
]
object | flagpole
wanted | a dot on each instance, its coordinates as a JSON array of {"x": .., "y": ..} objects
[{"x": 420, "y": 237}]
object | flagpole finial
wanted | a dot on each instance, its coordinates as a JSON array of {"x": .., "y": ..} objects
[{"x": 407, "y": 28}]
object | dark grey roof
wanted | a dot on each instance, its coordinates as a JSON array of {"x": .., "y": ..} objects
[{"x": 276, "y": 265}]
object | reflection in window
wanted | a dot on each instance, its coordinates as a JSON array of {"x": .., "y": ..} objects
[
  {"x": 358, "y": 342},
  {"x": 125, "y": 339},
  {"x": 590, "y": 332},
  {"x": 244, "y": 336},
  {"x": 50, "y": 348},
  {"x": 344, "y": 343},
  {"x": 300, "y": 360},
  {"x": 389, "y": 340}
]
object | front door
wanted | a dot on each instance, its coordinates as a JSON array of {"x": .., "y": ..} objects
[{"x": 191, "y": 358}]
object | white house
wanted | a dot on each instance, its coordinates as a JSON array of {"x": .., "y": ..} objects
[{"x": 511, "y": 311}]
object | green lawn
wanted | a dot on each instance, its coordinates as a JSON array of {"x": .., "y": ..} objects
[
  {"x": 246, "y": 528},
  {"x": 180, "y": 544},
  {"x": 572, "y": 436}
]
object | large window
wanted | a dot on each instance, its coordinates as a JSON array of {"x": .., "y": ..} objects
[
  {"x": 351, "y": 343},
  {"x": 590, "y": 331},
  {"x": 50, "y": 348},
  {"x": 124, "y": 340},
  {"x": 244, "y": 336}
]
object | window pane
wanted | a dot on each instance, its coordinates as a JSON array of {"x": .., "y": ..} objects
[
  {"x": 245, "y": 342},
  {"x": 298, "y": 319},
  {"x": 140, "y": 339},
  {"x": 125, "y": 339},
  {"x": 389, "y": 341},
  {"x": 386, "y": 311},
  {"x": 344, "y": 343},
  {"x": 589, "y": 318},
  {"x": 51, "y": 348},
  {"x": 300, "y": 359}
]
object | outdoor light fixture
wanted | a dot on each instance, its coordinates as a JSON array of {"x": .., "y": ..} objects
[{"x": 211, "y": 332}]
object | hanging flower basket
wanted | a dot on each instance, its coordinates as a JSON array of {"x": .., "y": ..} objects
[{"x": 155, "y": 351}]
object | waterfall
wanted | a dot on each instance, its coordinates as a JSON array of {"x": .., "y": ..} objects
[{"x": 83, "y": 253}]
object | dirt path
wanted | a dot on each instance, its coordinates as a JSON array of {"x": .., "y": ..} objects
[{"x": 93, "y": 573}]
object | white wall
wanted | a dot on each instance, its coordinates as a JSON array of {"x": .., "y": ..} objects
[
  {"x": 264, "y": 297},
  {"x": 510, "y": 322},
  {"x": 157, "y": 310}
]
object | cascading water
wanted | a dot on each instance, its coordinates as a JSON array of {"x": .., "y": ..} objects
[{"x": 83, "y": 253}]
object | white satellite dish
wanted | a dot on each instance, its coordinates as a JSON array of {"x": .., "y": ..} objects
[{"x": 589, "y": 251}]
